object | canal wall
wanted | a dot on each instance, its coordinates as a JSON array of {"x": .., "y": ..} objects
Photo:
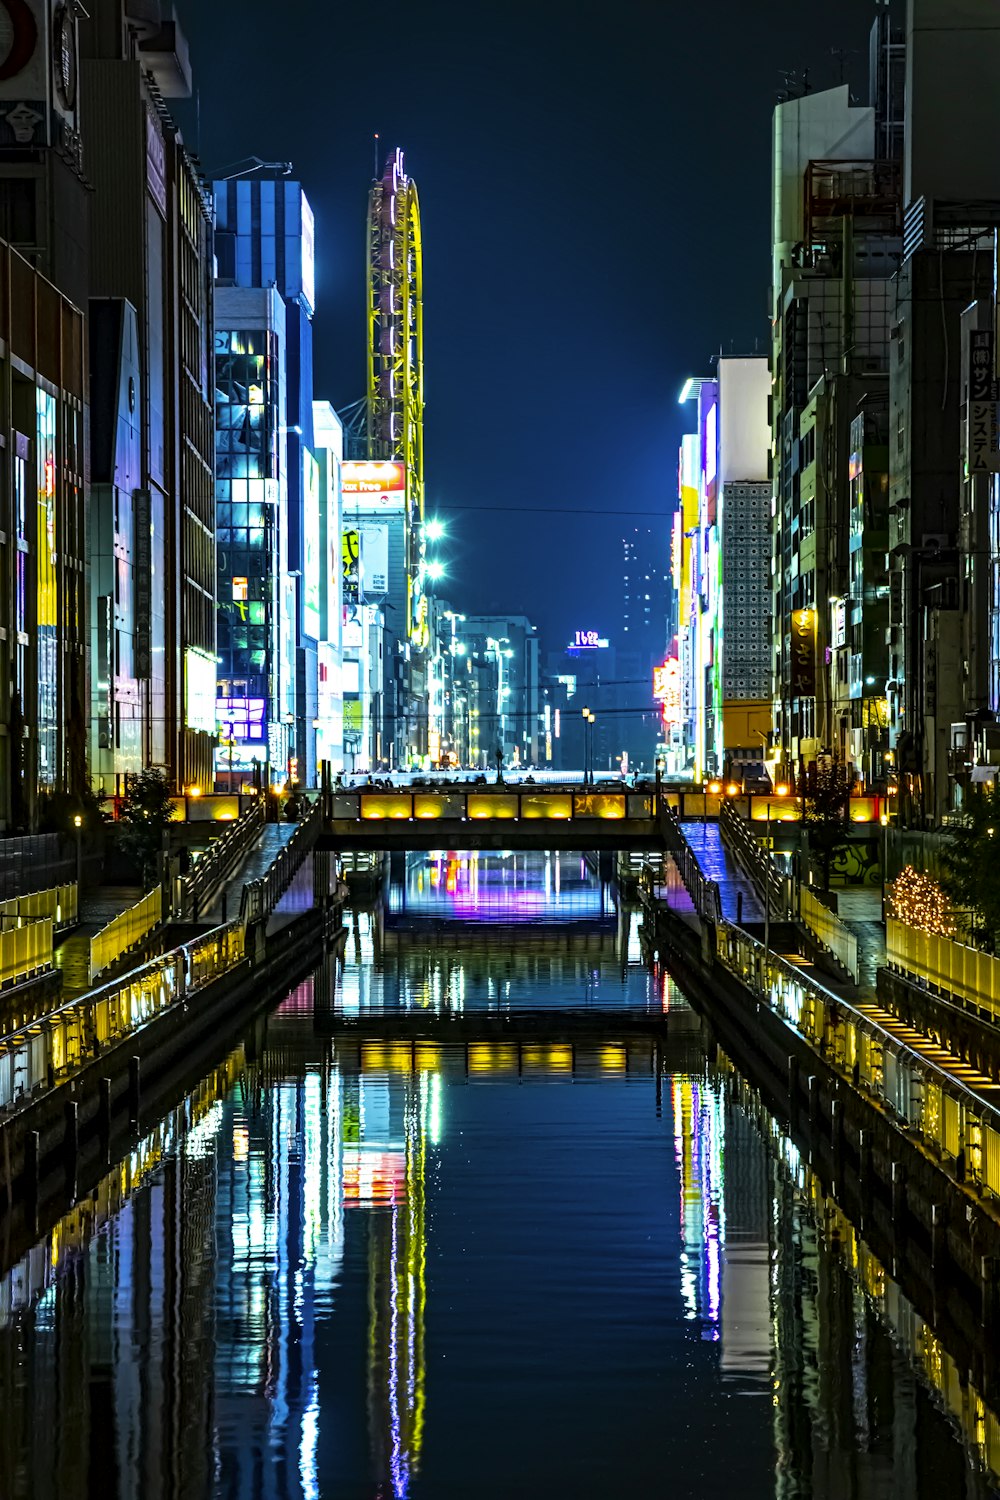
[
  {"x": 936, "y": 1235},
  {"x": 69, "y": 1132}
]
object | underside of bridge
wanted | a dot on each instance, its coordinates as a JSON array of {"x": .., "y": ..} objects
[{"x": 426, "y": 835}]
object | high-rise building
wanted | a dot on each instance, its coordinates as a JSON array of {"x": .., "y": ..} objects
[
  {"x": 265, "y": 236},
  {"x": 150, "y": 266},
  {"x": 835, "y": 246},
  {"x": 648, "y": 627},
  {"x": 256, "y": 598}
]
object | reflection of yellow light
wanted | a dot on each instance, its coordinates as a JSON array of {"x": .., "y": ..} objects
[
  {"x": 613, "y": 1058},
  {"x": 241, "y": 1143},
  {"x": 860, "y": 818},
  {"x": 225, "y": 817}
]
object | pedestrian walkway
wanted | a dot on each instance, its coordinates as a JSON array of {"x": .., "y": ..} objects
[
  {"x": 715, "y": 860},
  {"x": 860, "y": 910},
  {"x": 72, "y": 957},
  {"x": 273, "y": 838},
  {"x": 949, "y": 1062}
]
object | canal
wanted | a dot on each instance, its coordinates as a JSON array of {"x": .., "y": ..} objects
[{"x": 491, "y": 1267}]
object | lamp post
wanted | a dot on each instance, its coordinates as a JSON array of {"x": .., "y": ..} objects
[
  {"x": 586, "y": 741},
  {"x": 767, "y": 883},
  {"x": 78, "y": 825},
  {"x": 884, "y": 820}
]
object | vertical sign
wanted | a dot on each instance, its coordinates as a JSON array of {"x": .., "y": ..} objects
[
  {"x": 142, "y": 571},
  {"x": 982, "y": 418},
  {"x": 803, "y": 653}
]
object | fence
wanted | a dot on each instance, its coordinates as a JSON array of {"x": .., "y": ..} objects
[
  {"x": 218, "y": 862},
  {"x": 703, "y": 892},
  {"x": 125, "y": 932},
  {"x": 25, "y": 951},
  {"x": 260, "y": 897},
  {"x": 827, "y": 928},
  {"x": 967, "y": 974},
  {"x": 960, "y": 1129},
  {"x": 59, "y": 904},
  {"x": 39, "y": 859},
  {"x": 51, "y": 1049}
]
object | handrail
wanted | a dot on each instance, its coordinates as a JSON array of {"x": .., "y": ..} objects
[
  {"x": 260, "y": 897},
  {"x": 703, "y": 892},
  {"x": 219, "y": 862},
  {"x": 757, "y": 863},
  {"x": 957, "y": 1124},
  {"x": 51, "y": 1048},
  {"x": 25, "y": 950},
  {"x": 969, "y": 975}
]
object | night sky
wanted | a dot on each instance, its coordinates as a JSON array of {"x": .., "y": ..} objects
[{"x": 594, "y": 183}]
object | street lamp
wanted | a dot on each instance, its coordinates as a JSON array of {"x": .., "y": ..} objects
[
  {"x": 884, "y": 820},
  {"x": 78, "y": 825}
]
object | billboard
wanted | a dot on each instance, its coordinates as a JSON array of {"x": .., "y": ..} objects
[
  {"x": 308, "y": 254},
  {"x": 373, "y": 486},
  {"x": 311, "y": 548},
  {"x": 374, "y": 561},
  {"x": 588, "y": 640},
  {"x": 667, "y": 689},
  {"x": 803, "y": 653},
  {"x": 199, "y": 690},
  {"x": 350, "y": 551}
]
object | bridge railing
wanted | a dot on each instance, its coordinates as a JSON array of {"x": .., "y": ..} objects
[
  {"x": 704, "y": 893},
  {"x": 52, "y": 1048},
  {"x": 829, "y": 931},
  {"x": 961, "y": 1129},
  {"x": 488, "y": 803},
  {"x": 25, "y": 951}
]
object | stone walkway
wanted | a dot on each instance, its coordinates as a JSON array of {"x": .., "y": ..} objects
[
  {"x": 719, "y": 865},
  {"x": 273, "y": 838},
  {"x": 72, "y": 957}
]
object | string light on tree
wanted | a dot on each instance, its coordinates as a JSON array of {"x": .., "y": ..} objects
[{"x": 919, "y": 901}]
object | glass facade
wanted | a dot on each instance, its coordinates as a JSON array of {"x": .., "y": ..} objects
[
  {"x": 48, "y": 592},
  {"x": 246, "y": 430}
]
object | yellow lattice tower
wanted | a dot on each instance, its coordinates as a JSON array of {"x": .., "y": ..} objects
[{"x": 396, "y": 356}]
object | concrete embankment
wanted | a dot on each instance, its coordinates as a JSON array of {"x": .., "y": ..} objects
[
  {"x": 68, "y": 1135},
  {"x": 938, "y": 1236}
]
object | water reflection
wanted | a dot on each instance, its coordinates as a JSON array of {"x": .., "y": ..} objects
[
  {"x": 509, "y": 887},
  {"x": 345, "y": 1269}
]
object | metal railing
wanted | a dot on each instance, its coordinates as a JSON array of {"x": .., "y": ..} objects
[
  {"x": 828, "y": 930},
  {"x": 25, "y": 951},
  {"x": 33, "y": 860},
  {"x": 218, "y": 863},
  {"x": 125, "y": 932},
  {"x": 260, "y": 897},
  {"x": 961, "y": 1129},
  {"x": 474, "y": 804},
  {"x": 704, "y": 893},
  {"x": 757, "y": 863},
  {"x": 965, "y": 974},
  {"x": 58, "y": 903},
  {"x": 51, "y": 1049}
]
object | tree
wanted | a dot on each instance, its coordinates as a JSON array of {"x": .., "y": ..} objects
[
  {"x": 827, "y": 800},
  {"x": 146, "y": 810},
  {"x": 971, "y": 863}
]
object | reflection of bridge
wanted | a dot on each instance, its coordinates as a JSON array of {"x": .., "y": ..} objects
[
  {"x": 429, "y": 1030},
  {"x": 493, "y": 817}
]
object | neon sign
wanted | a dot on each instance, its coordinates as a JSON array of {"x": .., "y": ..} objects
[{"x": 588, "y": 640}]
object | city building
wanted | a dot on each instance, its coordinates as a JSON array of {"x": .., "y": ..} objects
[
  {"x": 648, "y": 628},
  {"x": 151, "y": 253},
  {"x": 256, "y": 596},
  {"x": 265, "y": 236},
  {"x": 43, "y": 645},
  {"x": 720, "y": 686},
  {"x": 502, "y": 654},
  {"x": 326, "y": 515},
  {"x": 836, "y": 245}
]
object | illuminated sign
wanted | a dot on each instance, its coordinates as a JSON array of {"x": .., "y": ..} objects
[
  {"x": 308, "y": 254},
  {"x": 350, "y": 549},
  {"x": 588, "y": 640},
  {"x": 371, "y": 486},
  {"x": 839, "y": 624},
  {"x": 199, "y": 690},
  {"x": 374, "y": 561},
  {"x": 311, "y": 620},
  {"x": 803, "y": 653},
  {"x": 240, "y": 718},
  {"x": 667, "y": 689}
]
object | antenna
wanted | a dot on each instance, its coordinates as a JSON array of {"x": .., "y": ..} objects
[{"x": 375, "y": 153}]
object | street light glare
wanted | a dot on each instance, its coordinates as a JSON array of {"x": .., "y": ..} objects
[
  {"x": 435, "y": 570},
  {"x": 434, "y": 530}
]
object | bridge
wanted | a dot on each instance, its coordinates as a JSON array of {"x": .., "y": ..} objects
[{"x": 494, "y": 817}]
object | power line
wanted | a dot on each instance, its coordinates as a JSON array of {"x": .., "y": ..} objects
[{"x": 556, "y": 510}]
